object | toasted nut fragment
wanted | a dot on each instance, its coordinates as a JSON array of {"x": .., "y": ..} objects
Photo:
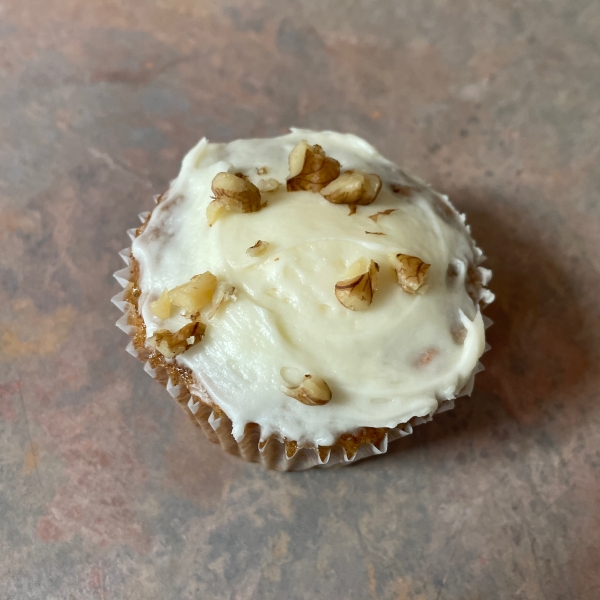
[
  {"x": 234, "y": 193},
  {"x": 411, "y": 271},
  {"x": 262, "y": 170},
  {"x": 383, "y": 213},
  {"x": 161, "y": 307},
  {"x": 313, "y": 391},
  {"x": 267, "y": 185},
  {"x": 310, "y": 168},
  {"x": 213, "y": 211},
  {"x": 358, "y": 267},
  {"x": 352, "y": 210},
  {"x": 258, "y": 249},
  {"x": 223, "y": 292},
  {"x": 357, "y": 293},
  {"x": 353, "y": 187},
  {"x": 171, "y": 344},
  {"x": 196, "y": 293}
]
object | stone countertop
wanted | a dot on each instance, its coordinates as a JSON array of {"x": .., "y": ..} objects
[{"x": 107, "y": 491}]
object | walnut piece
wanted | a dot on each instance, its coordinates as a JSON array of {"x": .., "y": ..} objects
[
  {"x": 353, "y": 187},
  {"x": 310, "y": 168},
  {"x": 195, "y": 294},
  {"x": 268, "y": 185},
  {"x": 161, "y": 307},
  {"x": 411, "y": 271},
  {"x": 223, "y": 292},
  {"x": 258, "y": 249},
  {"x": 233, "y": 193},
  {"x": 383, "y": 213},
  {"x": 262, "y": 170},
  {"x": 313, "y": 391},
  {"x": 357, "y": 292},
  {"x": 172, "y": 344}
]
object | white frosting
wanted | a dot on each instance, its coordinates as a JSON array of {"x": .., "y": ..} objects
[{"x": 286, "y": 320}]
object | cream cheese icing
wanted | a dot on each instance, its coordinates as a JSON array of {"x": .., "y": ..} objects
[{"x": 393, "y": 361}]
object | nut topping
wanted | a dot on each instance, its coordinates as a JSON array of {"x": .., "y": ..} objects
[
  {"x": 233, "y": 193},
  {"x": 223, "y": 292},
  {"x": 313, "y": 391},
  {"x": 411, "y": 271},
  {"x": 357, "y": 293},
  {"x": 310, "y": 168},
  {"x": 161, "y": 307},
  {"x": 258, "y": 249},
  {"x": 172, "y": 344},
  {"x": 376, "y": 216},
  {"x": 267, "y": 185},
  {"x": 196, "y": 293},
  {"x": 353, "y": 187}
]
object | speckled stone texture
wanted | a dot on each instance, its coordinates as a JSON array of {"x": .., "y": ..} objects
[{"x": 107, "y": 491}]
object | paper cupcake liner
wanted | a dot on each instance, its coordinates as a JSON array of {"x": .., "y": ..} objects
[{"x": 272, "y": 453}]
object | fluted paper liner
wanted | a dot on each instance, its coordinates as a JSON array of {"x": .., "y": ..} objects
[{"x": 272, "y": 452}]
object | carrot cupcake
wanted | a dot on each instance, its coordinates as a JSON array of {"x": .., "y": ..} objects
[{"x": 304, "y": 299}]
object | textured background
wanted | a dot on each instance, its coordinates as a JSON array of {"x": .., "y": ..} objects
[{"x": 107, "y": 491}]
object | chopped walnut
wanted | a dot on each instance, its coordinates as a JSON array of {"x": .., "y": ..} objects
[
  {"x": 258, "y": 249},
  {"x": 310, "y": 168},
  {"x": 195, "y": 294},
  {"x": 268, "y": 185},
  {"x": 352, "y": 210},
  {"x": 262, "y": 170},
  {"x": 358, "y": 267},
  {"x": 353, "y": 187},
  {"x": 233, "y": 193},
  {"x": 313, "y": 391},
  {"x": 161, "y": 307},
  {"x": 172, "y": 344},
  {"x": 383, "y": 213},
  {"x": 411, "y": 271},
  {"x": 213, "y": 211},
  {"x": 357, "y": 292},
  {"x": 223, "y": 292}
]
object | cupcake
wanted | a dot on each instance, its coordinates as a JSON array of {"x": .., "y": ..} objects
[{"x": 303, "y": 299}]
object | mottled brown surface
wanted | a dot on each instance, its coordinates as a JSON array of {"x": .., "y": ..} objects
[{"x": 107, "y": 491}]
